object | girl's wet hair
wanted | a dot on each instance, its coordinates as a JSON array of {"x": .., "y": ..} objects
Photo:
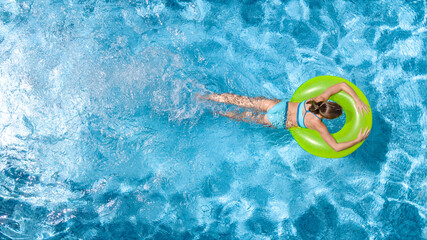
[{"x": 329, "y": 110}]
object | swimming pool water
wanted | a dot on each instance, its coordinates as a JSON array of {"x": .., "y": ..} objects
[{"x": 102, "y": 136}]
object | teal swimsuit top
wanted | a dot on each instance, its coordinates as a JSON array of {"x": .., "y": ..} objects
[{"x": 301, "y": 114}]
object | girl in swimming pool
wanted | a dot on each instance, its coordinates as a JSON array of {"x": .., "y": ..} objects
[{"x": 282, "y": 114}]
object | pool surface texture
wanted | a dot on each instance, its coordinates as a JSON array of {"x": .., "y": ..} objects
[{"x": 102, "y": 135}]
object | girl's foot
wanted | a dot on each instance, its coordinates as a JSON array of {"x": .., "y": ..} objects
[{"x": 212, "y": 97}]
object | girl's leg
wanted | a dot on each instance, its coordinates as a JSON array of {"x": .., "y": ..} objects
[
  {"x": 260, "y": 104},
  {"x": 248, "y": 117}
]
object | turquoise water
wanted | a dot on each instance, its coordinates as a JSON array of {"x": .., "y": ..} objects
[{"x": 102, "y": 136}]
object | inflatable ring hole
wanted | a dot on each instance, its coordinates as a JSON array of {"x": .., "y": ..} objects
[{"x": 335, "y": 125}]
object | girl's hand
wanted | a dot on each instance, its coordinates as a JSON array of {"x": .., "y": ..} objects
[
  {"x": 363, "y": 134},
  {"x": 362, "y": 107}
]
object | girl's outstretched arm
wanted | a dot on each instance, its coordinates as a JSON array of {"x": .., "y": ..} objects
[
  {"x": 330, "y": 140},
  {"x": 360, "y": 105}
]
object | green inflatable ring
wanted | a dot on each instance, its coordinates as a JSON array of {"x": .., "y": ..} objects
[{"x": 310, "y": 140}]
